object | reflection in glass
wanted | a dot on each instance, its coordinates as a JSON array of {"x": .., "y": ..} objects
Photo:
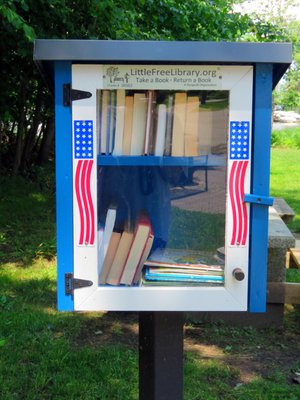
[{"x": 183, "y": 195}]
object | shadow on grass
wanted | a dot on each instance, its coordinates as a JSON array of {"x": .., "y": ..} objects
[
  {"x": 39, "y": 360},
  {"x": 49, "y": 355},
  {"x": 43, "y": 352},
  {"x": 27, "y": 221},
  {"x": 34, "y": 292}
]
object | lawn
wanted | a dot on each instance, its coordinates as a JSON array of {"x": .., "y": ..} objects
[
  {"x": 285, "y": 179},
  {"x": 49, "y": 355},
  {"x": 285, "y": 169},
  {"x": 27, "y": 220}
]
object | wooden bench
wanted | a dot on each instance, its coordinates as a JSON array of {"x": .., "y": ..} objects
[
  {"x": 283, "y": 293},
  {"x": 285, "y": 212},
  {"x": 294, "y": 258}
]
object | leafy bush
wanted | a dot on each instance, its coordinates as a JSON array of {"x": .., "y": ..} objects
[{"x": 289, "y": 138}]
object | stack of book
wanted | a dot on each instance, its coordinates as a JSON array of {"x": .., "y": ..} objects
[
  {"x": 148, "y": 123},
  {"x": 158, "y": 271},
  {"x": 122, "y": 254}
]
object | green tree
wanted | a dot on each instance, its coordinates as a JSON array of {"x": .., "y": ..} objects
[
  {"x": 278, "y": 18},
  {"x": 26, "y": 116},
  {"x": 288, "y": 94}
]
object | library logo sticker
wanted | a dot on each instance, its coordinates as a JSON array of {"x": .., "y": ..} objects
[{"x": 168, "y": 77}]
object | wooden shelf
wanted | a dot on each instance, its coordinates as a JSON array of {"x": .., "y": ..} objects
[{"x": 209, "y": 161}]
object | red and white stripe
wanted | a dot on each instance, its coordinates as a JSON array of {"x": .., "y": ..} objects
[
  {"x": 239, "y": 209},
  {"x": 85, "y": 202}
]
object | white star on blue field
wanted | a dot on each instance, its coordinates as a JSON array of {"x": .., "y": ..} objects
[{"x": 83, "y": 139}]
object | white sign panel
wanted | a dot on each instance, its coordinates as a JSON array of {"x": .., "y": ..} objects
[{"x": 168, "y": 77}]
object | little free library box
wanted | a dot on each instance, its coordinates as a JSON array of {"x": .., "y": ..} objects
[{"x": 162, "y": 167}]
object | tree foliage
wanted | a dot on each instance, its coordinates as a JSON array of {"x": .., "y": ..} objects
[
  {"x": 288, "y": 94},
  {"x": 278, "y": 18},
  {"x": 26, "y": 113}
]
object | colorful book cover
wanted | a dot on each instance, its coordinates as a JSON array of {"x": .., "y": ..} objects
[
  {"x": 182, "y": 277},
  {"x": 184, "y": 257}
]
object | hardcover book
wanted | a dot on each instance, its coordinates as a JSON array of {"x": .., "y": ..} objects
[
  {"x": 110, "y": 255},
  {"x": 149, "y": 121},
  {"x": 191, "y": 127},
  {"x": 169, "y": 125},
  {"x": 114, "y": 274},
  {"x": 127, "y": 133},
  {"x": 179, "y": 124},
  {"x": 104, "y": 120},
  {"x": 142, "y": 233},
  {"x": 108, "y": 229},
  {"x": 120, "y": 118},
  {"x": 138, "y": 124},
  {"x": 161, "y": 130}
]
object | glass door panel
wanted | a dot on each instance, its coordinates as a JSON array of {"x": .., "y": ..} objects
[{"x": 167, "y": 170}]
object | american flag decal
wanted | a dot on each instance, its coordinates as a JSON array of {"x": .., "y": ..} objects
[
  {"x": 83, "y": 154},
  {"x": 239, "y": 157}
]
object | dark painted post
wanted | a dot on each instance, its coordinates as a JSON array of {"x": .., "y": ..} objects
[{"x": 161, "y": 355}]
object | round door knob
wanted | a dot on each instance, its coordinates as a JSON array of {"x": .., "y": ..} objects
[{"x": 239, "y": 274}]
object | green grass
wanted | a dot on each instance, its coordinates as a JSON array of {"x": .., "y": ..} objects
[
  {"x": 49, "y": 355},
  {"x": 38, "y": 357},
  {"x": 27, "y": 221},
  {"x": 285, "y": 179},
  {"x": 184, "y": 230},
  {"x": 208, "y": 379},
  {"x": 45, "y": 354},
  {"x": 293, "y": 275}
]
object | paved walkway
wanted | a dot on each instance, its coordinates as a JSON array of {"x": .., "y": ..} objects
[{"x": 211, "y": 201}]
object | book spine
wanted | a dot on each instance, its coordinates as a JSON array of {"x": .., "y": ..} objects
[
  {"x": 109, "y": 122},
  {"x": 191, "y": 127},
  {"x": 118, "y": 264},
  {"x": 112, "y": 130},
  {"x": 179, "y": 125},
  {"x": 108, "y": 229},
  {"x": 169, "y": 125},
  {"x": 120, "y": 117},
  {"x": 149, "y": 121},
  {"x": 108, "y": 260},
  {"x": 152, "y": 138},
  {"x": 138, "y": 124},
  {"x": 128, "y": 278},
  {"x": 98, "y": 120},
  {"x": 143, "y": 230},
  {"x": 104, "y": 120},
  {"x": 127, "y": 133},
  {"x": 146, "y": 253},
  {"x": 161, "y": 130}
]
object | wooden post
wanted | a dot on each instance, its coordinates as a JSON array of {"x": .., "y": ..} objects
[{"x": 160, "y": 356}]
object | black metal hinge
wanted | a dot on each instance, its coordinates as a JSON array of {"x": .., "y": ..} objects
[
  {"x": 72, "y": 283},
  {"x": 70, "y": 94}
]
